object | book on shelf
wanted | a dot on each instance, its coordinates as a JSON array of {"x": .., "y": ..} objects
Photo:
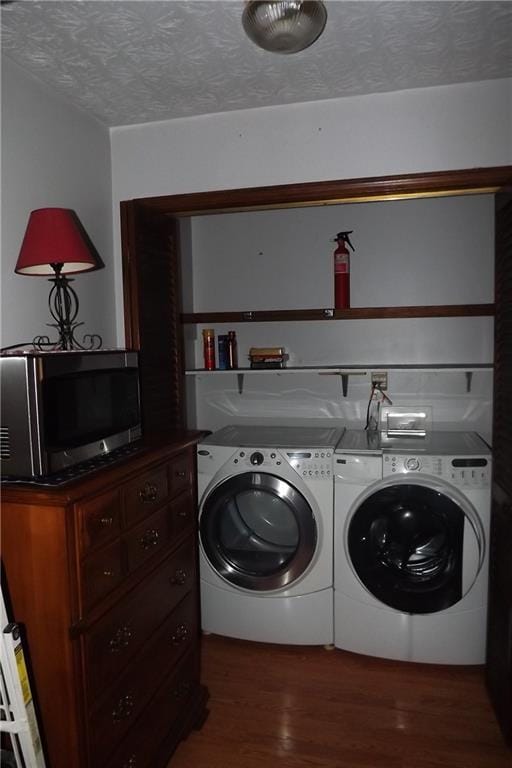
[
  {"x": 267, "y": 358},
  {"x": 267, "y": 364},
  {"x": 266, "y": 352}
]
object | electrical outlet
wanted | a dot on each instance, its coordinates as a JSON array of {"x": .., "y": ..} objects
[{"x": 380, "y": 379}]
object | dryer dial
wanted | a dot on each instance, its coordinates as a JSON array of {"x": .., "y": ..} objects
[
  {"x": 412, "y": 464},
  {"x": 257, "y": 458}
]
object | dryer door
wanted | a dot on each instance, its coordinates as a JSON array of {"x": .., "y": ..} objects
[
  {"x": 258, "y": 531},
  {"x": 406, "y": 542}
]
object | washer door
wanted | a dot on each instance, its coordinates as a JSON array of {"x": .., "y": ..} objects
[
  {"x": 406, "y": 544},
  {"x": 258, "y": 531}
]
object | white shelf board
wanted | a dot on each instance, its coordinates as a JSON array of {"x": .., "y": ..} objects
[
  {"x": 358, "y": 370},
  {"x": 348, "y": 370}
]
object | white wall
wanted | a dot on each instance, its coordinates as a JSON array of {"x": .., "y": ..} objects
[
  {"x": 430, "y": 129},
  {"x": 52, "y": 155},
  {"x": 407, "y": 252},
  {"x": 414, "y": 252}
]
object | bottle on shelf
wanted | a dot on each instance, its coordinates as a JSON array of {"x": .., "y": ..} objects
[
  {"x": 232, "y": 351},
  {"x": 209, "y": 349},
  {"x": 222, "y": 343}
]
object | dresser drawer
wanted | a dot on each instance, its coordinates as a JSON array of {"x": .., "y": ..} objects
[
  {"x": 101, "y": 572},
  {"x": 118, "y": 709},
  {"x": 161, "y": 717},
  {"x": 145, "y": 494},
  {"x": 149, "y": 537},
  {"x": 184, "y": 514},
  {"x": 114, "y": 640},
  {"x": 180, "y": 473},
  {"x": 99, "y": 520}
]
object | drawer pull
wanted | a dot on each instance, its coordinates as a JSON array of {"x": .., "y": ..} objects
[
  {"x": 181, "y": 634},
  {"x": 123, "y": 709},
  {"x": 180, "y": 576},
  {"x": 149, "y": 539},
  {"x": 181, "y": 474},
  {"x": 182, "y": 689},
  {"x": 148, "y": 494},
  {"x": 120, "y": 640},
  {"x": 183, "y": 512},
  {"x": 108, "y": 572},
  {"x": 106, "y": 521},
  {"x": 130, "y": 763}
]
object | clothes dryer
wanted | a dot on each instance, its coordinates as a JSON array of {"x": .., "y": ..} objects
[
  {"x": 411, "y": 547},
  {"x": 266, "y": 499}
]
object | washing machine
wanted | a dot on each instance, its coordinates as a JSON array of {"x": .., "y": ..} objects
[
  {"x": 411, "y": 534},
  {"x": 266, "y": 502}
]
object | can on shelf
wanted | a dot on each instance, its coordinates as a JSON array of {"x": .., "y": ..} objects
[{"x": 209, "y": 349}]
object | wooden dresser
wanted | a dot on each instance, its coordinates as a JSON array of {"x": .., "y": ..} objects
[{"x": 102, "y": 572}]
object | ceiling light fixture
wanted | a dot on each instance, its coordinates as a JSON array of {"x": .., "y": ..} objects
[{"x": 284, "y": 26}]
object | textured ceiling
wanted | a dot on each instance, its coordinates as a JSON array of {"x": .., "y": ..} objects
[{"x": 144, "y": 60}]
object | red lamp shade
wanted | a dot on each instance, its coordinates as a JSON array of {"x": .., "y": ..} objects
[{"x": 55, "y": 236}]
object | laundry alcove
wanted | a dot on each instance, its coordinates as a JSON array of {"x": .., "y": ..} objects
[{"x": 155, "y": 322}]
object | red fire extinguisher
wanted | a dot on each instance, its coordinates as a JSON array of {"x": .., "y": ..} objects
[{"x": 342, "y": 270}]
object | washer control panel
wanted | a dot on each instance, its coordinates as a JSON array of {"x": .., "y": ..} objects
[
  {"x": 472, "y": 471},
  {"x": 412, "y": 464}
]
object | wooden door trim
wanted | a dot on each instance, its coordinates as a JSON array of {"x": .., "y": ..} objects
[
  {"x": 433, "y": 184},
  {"x": 130, "y": 298}
]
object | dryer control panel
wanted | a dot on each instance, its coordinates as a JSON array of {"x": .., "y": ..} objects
[
  {"x": 311, "y": 464},
  {"x": 474, "y": 471}
]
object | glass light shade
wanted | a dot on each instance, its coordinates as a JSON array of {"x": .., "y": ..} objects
[{"x": 284, "y": 26}]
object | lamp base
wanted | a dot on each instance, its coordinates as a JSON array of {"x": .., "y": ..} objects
[
  {"x": 90, "y": 341},
  {"x": 63, "y": 305}
]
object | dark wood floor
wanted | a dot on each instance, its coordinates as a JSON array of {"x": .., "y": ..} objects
[{"x": 302, "y": 707}]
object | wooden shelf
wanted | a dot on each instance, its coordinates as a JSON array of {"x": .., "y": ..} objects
[{"x": 354, "y": 313}]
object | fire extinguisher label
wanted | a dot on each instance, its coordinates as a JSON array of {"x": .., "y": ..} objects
[{"x": 340, "y": 268}]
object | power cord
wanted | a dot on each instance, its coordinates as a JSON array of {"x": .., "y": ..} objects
[
  {"x": 372, "y": 392},
  {"x": 378, "y": 388}
]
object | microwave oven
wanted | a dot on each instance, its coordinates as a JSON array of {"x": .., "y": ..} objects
[{"x": 62, "y": 408}]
